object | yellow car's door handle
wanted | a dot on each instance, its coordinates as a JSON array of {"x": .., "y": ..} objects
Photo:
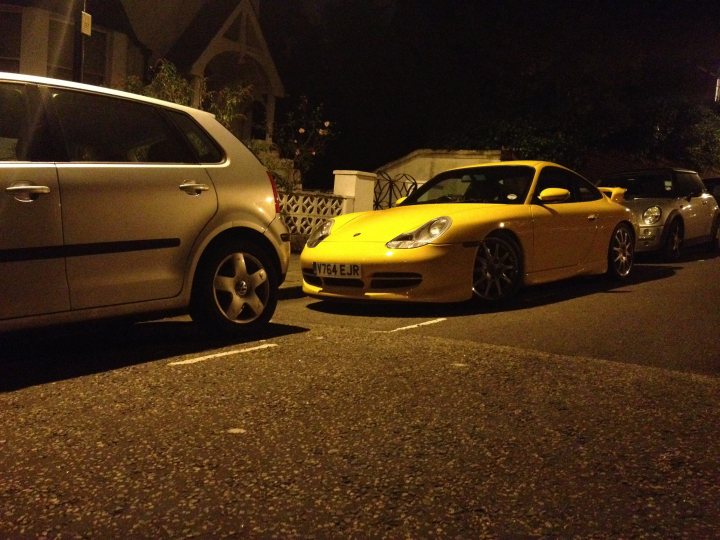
[
  {"x": 193, "y": 188},
  {"x": 592, "y": 217}
]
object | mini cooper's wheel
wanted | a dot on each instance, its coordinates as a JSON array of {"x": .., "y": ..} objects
[
  {"x": 621, "y": 252},
  {"x": 235, "y": 289},
  {"x": 714, "y": 244},
  {"x": 673, "y": 241},
  {"x": 497, "y": 273}
]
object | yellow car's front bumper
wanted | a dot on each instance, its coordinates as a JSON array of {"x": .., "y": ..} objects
[{"x": 431, "y": 273}]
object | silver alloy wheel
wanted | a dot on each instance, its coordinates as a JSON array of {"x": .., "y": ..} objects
[
  {"x": 241, "y": 287},
  {"x": 496, "y": 275},
  {"x": 622, "y": 251}
]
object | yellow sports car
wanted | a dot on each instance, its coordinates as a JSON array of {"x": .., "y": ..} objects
[{"x": 474, "y": 232}]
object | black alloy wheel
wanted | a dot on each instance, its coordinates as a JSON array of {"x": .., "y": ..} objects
[
  {"x": 497, "y": 274},
  {"x": 673, "y": 241},
  {"x": 714, "y": 244}
]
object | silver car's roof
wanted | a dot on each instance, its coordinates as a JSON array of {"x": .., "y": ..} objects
[{"x": 18, "y": 77}]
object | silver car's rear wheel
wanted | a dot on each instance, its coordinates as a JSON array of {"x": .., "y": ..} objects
[
  {"x": 235, "y": 289},
  {"x": 497, "y": 273},
  {"x": 621, "y": 252}
]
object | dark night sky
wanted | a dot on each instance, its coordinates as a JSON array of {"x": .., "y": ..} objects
[{"x": 397, "y": 75}]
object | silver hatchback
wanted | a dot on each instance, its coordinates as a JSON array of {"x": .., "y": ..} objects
[
  {"x": 672, "y": 209},
  {"x": 117, "y": 205}
]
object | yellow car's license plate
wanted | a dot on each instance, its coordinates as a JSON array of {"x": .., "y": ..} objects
[{"x": 336, "y": 270}]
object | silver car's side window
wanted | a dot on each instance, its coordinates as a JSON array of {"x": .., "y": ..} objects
[
  {"x": 689, "y": 185},
  {"x": 103, "y": 129},
  {"x": 13, "y": 117},
  {"x": 207, "y": 150}
]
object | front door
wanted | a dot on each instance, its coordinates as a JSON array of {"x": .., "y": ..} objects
[
  {"x": 564, "y": 232},
  {"x": 697, "y": 208}
]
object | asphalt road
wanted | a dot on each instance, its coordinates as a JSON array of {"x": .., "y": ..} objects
[
  {"x": 666, "y": 316},
  {"x": 582, "y": 410}
]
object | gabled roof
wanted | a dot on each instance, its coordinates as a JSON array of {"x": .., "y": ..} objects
[
  {"x": 211, "y": 33},
  {"x": 200, "y": 32}
]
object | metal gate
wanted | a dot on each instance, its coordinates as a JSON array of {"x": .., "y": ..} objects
[{"x": 388, "y": 189}]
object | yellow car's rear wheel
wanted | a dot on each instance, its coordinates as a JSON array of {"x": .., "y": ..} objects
[
  {"x": 621, "y": 252},
  {"x": 497, "y": 273}
]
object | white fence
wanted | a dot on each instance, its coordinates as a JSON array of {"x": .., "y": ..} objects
[
  {"x": 354, "y": 191},
  {"x": 303, "y": 210}
]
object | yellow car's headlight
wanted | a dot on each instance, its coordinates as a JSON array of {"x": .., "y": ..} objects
[
  {"x": 320, "y": 233},
  {"x": 652, "y": 215},
  {"x": 422, "y": 235}
]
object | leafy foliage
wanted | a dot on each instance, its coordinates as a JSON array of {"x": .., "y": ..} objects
[
  {"x": 552, "y": 80},
  {"x": 227, "y": 104},
  {"x": 304, "y": 134}
]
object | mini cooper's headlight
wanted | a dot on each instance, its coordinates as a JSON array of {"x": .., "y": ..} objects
[
  {"x": 422, "y": 235},
  {"x": 652, "y": 215},
  {"x": 320, "y": 233}
]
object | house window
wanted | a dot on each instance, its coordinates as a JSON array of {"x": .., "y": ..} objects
[
  {"x": 60, "y": 55},
  {"x": 10, "y": 31},
  {"x": 95, "y": 58},
  {"x": 60, "y": 50}
]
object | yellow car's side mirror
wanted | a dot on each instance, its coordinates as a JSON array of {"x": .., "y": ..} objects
[
  {"x": 400, "y": 201},
  {"x": 552, "y": 195}
]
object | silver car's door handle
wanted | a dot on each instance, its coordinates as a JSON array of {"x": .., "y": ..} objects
[
  {"x": 28, "y": 189},
  {"x": 27, "y": 193},
  {"x": 193, "y": 188}
]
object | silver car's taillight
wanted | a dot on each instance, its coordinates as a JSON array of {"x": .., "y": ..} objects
[{"x": 276, "y": 195}]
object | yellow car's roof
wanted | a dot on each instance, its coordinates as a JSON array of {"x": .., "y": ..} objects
[{"x": 525, "y": 162}]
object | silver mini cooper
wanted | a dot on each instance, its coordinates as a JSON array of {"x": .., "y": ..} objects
[
  {"x": 672, "y": 209},
  {"x": 117, "y": 205}
]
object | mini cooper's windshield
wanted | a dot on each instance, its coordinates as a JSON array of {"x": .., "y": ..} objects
[
  {"x": 502, "y": 184},
  {"x": 651, "y": 185}
]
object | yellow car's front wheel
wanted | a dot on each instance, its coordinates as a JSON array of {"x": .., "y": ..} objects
[{"x": 497, "y": 273}]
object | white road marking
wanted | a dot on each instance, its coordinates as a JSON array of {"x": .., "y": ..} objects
[
  {"x": 412, "y": 326},
  {"x": 220, "y": 355}
]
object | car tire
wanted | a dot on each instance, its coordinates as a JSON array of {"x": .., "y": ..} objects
[
  {"x": 235, "y": 289},
  {"x": 497, "y": 273},
  {"x": 621, "y": 252},
  {"x": 714, "y": 244},
  {"x": 673, "y": 241}
]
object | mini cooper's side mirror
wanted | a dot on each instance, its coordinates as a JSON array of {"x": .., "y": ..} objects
[
  {"x": 551, "y": 195},
  {"x": 400, "y": 201}
]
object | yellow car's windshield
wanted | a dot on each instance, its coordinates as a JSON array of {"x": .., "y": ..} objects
[{"x": 502, "y": 184}]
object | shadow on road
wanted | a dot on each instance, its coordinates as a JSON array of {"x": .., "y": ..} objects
[
  {"x": 55, "y": 354},
  {"x": 529, "y": 297}
]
